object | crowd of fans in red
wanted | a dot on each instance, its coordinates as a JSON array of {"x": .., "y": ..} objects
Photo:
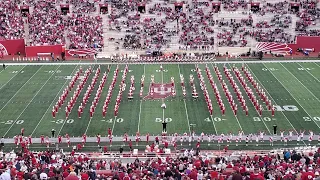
[
  {"x": 11, "y": 22},
  {"x": 193, "y": 26},
  {"x": 187, "y": 165}
]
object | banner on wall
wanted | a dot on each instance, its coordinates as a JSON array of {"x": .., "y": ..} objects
[
  {"x": 33, "y": 51},
  {"x": 81, "y": 52},
  {"x": 12, "y": 47}
]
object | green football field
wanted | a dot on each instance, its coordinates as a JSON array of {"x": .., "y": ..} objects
[{"x": 28, "y": 93}]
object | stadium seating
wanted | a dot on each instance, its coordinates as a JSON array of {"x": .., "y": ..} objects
[
  {"x": 187, "y": 164},
  {"x": 160, "y": 25}
]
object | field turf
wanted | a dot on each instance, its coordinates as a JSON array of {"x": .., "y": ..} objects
[{"x": 28, "y": 93}]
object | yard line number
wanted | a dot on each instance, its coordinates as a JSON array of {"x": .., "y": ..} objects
[
  {"x": 128, "y": 70},
  {"x": 16, "y": 72},
  {"x": 61, "y": 121},
  {"x": 215, "y": 119},
  {"x": 316, "y": 118},
  {"x": 268, "y": 119},
  {"x": 118, "y": 120},
  {"x": 159, "y": 120},
  {"x": 164, "y": 70},
  {"x": 304, "y": 69},
  {"x": 287, "y": 108},
  {"x": 52, "y": 71},
  {"x": 194, "y": 70},
  {"x": 269, "y": 69},
  {"x": 9, "y": 122}
]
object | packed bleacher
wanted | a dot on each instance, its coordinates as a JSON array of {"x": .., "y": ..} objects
[
  {"x": 46, "y": 24},
  {"x": 159, "y": 25},
  {"x": 83, "y": 6},
  {"x": 11, "y": 22},
  {"x": 85, "y": 31},
  {"x": 187, "y": 164}
]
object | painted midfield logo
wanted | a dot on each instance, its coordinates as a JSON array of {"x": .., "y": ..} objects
[{"x": 159, "y": 91}]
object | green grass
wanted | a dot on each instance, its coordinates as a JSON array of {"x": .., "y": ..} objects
[{"x": 27, "y": 94}]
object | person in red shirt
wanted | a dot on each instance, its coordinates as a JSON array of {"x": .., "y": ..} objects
[
  {"x": 20, "y": 175},
  {"x": 256, "y": 175},
  {"x": 42, "y": 139},
  {"x": 166, "y": 144},
  {"x": 59, "y": 139},
  {"x": 84, "y": 176},
  {"x": 126, "y": 177},
  {"x": 30, "y": 139},
  {"x": 308, "y": 175},
  {"x": 79, "y": 146},
  {"x": 65, "y": 174}
]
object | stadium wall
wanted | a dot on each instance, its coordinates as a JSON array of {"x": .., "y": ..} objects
[
  {"x": 14, "y": 46},
  {"x": 308, "y": 42},
  {"x": 32, "y": 51}
]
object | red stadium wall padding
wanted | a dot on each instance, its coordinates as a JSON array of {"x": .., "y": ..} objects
[
  {"x": 306, "y": 42},
  {"x": 32, "y": 51},
  {"x": 14, "y": 46}
]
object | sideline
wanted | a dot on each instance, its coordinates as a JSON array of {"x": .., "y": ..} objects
[{"x": 164, "y": 62}]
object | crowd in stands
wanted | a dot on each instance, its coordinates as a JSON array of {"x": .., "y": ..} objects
[
  {"x": 230, "y": 5},
  {"x": 164, "y": 25},
  {"x": 279, "y": 8},
  {"x": 186, "y": 165},
  {"x": 85, "y": 31},
  {"x": 83, "y": 6},
  {"x": 11, "y": 22},
  {"x": 46, "y": 24}
]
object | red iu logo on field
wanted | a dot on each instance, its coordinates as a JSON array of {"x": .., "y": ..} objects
[{"x": 159, "y": 91}]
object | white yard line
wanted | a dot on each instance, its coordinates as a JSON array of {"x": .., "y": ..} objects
[
  {"x": 85, "y": 86},
  {"x": 309, "y": 73},
  {"x": 30, "y": 100},
  {"x": 114, "y": 123},
  {"x": 3, "y": 70},
  {"x": 316, "y": 64},
  {"x": 250, "y": 101},
  {"x": 212, "y": 120},
  {"x": 162, "y": 98},
  {"x": 115, "y": 118},
  {"x": 11, "y": 77},
  {"x": 181, "y": 62},
  {"x": 293, "y": 97},
  {"x": 301, "y": 82},
  {"x": 273, "y": 100},
  {"x": 20, "y": 89},
  {"x": 52, "y": 102},
  {"x": 144, "y": 71},
  {"x": 98, "y": 102},
  {"x": 214, "y": 126},
  {"x": 185, "y": 105}
]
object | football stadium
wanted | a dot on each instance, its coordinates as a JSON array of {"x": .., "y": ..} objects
[{"x": 159, "y": 89}]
